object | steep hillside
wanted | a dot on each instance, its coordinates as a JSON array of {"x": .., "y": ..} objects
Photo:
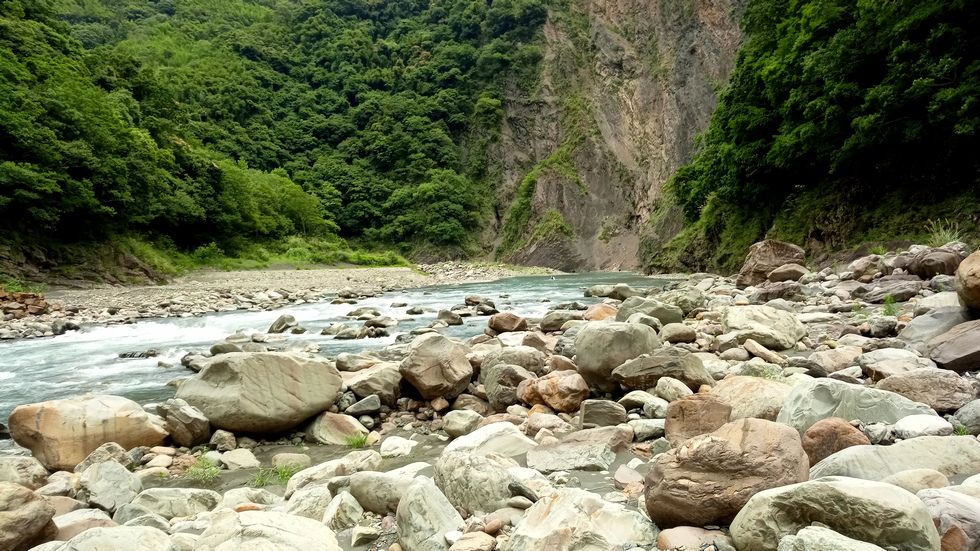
[{"x": 624, "y": 88}]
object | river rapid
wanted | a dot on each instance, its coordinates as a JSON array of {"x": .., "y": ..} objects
[{"x": 88, "y": 361}]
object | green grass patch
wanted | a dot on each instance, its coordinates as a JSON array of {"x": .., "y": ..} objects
[
  {"x": 552, "y": 226},
  {"x": 357, "y": 441},
  {"x": 203, "y": 470},
  {"x": 275, "y": 476}
]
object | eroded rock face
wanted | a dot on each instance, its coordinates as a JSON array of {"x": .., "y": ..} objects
[
  {"x": 967, "y": 281},
  {"x": 695, "y": 415},
  {"x": 261, "y": 392},
  {"x": 766, "y": 256},
  {"x": 950, "y": 455},
  {"x": 424, "y": 516},
  {"x": 829, "y": 436},
  {"x": 772, "y": 328},
  {"x": 878, "y": 513},
  {"x": 24, "y": 517},
  {"x": 940, "y": 389},
  {"x": 602, "y": 347},
  {"x": 437, "y": 366},
  {"x": 61, "y": 433},
  {"x": 709, "y": 478},
  {"x": 267, "y": 531}
]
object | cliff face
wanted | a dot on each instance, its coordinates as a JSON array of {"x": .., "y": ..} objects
[{"x": 625, "y": 87}]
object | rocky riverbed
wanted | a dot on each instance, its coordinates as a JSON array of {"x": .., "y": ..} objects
[{"x": 782, "y": 409}]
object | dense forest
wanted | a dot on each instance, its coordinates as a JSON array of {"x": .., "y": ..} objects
[{"x": 844, "y": 121}]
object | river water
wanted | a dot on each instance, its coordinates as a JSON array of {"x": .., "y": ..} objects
[{"x": 87, "y": 361}]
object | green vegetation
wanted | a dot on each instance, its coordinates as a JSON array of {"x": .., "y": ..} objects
[
  {"x": 552, "y": 226},
  {"x": 204, "y": 470},
  {"x": 844, "y": 121},
  {"x": 356, "y": 441},
  {"x": 878, "y": 249},
  {"x": 942, "y": 232},
  {"x": 194, "y": 131},
  {"x": 275, "y": 476},
  {"x": 15, "y": 285},
  {"x": 891, "y": 307}
]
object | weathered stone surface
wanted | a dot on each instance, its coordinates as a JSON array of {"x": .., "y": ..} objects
[
  {"x": 26, "y": 471},
  {"x": 929, "y": 263},
  {"x": 239, "y": 459},
  {"x": 342, "y": 512},
  {"x": 967, "y": 418},
  {"x": 560, "y": 390},
  {"x": 61, "y": 433},
  {"x": 265, "y": 531},
  {"x": 355, "y": 461},
  {"x": 503, "y": 438},
  {"x": 788, "y": 272},
  {"x": 818, "y": 538},
  {"x": 877, "y": 513},
  {"x": 382, "y": 380},
  {"x": 764, "y": 257},
  {"x": 819, "y": 399},
  {"x": 879, "y": 290},
  {"x": 261, "y": 392},
  {"x": 282, "y": 323},
  {"x": 664, "y": 313},
  {"x": 967, "y": 281},
  {"x": 555, "y": 319},
  {"x": 956, "y": 516},
  {"x": 474, "y": 482},
  {"x": 950, "y": 455},
  {"x": 501, "y": 383},
  {"x": 110, "y": 451},
  {"x": 568, "y": 456},
  {"x": 885, "y": 362},
  {"x": 915, "y": 426},
  {"x": 919, "y": 332},
  {"x": 599, "y": 312},
  {"x": 914, "y": 480},
  {"x": 177, "y": 502},
  {"x": 24, "y": 517},
  {"x": 377, "y": 492},
  {"x": 687, "y": 299},
  {"x": 958, "y": 349},
  {"x": 528, "y": 357},
  {"x": 829, "y": 436},
  {"x": 456, "y": 423},
  {"x": 236, "y": 497},
  {"x": 187, "y": 425},
  {"x": 602, "y": 347},
  {"x": 645, "y": 371},
  {"x": 678, "y": 332},
  {"x": 709, "y": 478},
  {"x": 835, "y": 359},
  {"x": 424, "y": 516},
  {"x": 772, "y": 328},
  {"x": 695, "y": 415},
  {"x": 75, "y": 522},
  {"x": 577, "y": 519},
  {"x": 752, "y": 396},
  {"x": 334, "y": 428},
  {"x": 507, "y": 322},
  {"x": 437, "y": 366},
  {"x": 939, "y": 389},
  {"x": 130, "y": 538},
  {"x": 602, "y": 413},
  {"x": 108, "y": 485}
]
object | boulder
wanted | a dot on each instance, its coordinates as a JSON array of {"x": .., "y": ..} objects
[
  {"x": 967, "y": 418},
  {"x": 602, "y": 347},
  {"x": 939, "y": 389},
  {"x": 187, "y": 425},
  {"x": 914, "y": 480},
  {"x": 342, "y": 512},
  {"x": 282, "y": 323},
  {"x": 261, "y": 392},
  {"x": 353, "y": 462},
  {"x": 818, "y": 538},
  {"x": 562, "y": 391},
  {"x": 950, "y": 455},
  {"x": 456, "y": 423},
  {"x": 266, "y": 531},
  {"x": 130, "y": 538},
  {"x": 772, "y": 328},
  {"x": 877, "y": 513},
  {"x": 503, "y": 438},
  {"x": 110, "y": 451},
  {"x": 678, "y": 332},
  {"x": 956, "y": 516},
  {"x": 829, "y": 436},
  {"x": 570, "y": 456},
  {"x": 424, "y": 517},
  {"x": 958, "y": 349},
  {"x": 929, "y": 263},
  {"x": 752, "y": 396},
  {"x": 664, "y": 313},
  {"x": 576, "y": 519},
  {"x": 554, "y": 320},
  {"x": 377, "y": 492},
  {"x": 885, "y": 362},
  {"x": 709, "y": 478},
  {"x": 919, "y": 332},
  {"x": 61, "y": 433},
  {"x": 687, "y": 299},
  {"x": 764, "y": 257},
  {"x": 241, "y": 458},
  {"x": 835, "y": 359},
  {"x": 501, "y": 383},
  {"x": 177, "y": 502},
  {"x": 695, "y": 415},
  {"x": 788, "y": 272},
  {"x": 507, "y": 322},
  {"x": 527, "y": 357},
  {"x": 75, "y": 522},
  {"x": 599, "y": 312},
  {"x": 108, "y": 485},
  {"x": 25, "y": 518},
  {"x": 26, "y": 471},
  {"x": 645, "y": 371},
  {"x": 879, "y": 290},
  {"x": 819, "y": 399},
  {"x": 383, "y": 380},
  {"x": 334, "y": 428},
  {"x": 437, "y": 366},
  {"x": 474, "y": 482},
  {"x": 602, "y": 413},
  {"x": 310, "y": 502},
  {"x": 967, "y": 281},
  {"x": 915, "y": 426}
]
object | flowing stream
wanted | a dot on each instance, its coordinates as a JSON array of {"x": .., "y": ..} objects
[{"x": 88, "y": 361}]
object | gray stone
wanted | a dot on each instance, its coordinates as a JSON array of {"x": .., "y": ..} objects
[
  {"x": 437, "y": 366},
  {"x": 503, "y": 438},
  {"x": 267, "y": 531},
  {"x": 885, "y": 362},
  {"x": 687, "y": 299},
  {"x": 186, "y": 424},
  {"x": 382, "y": 380},
  {"x": 914, "y": 480},
  {"x": 818, "y": 538},
  {"x": 671, "y": 390},
  {"x": 601, "y": 347},
  {"x": 282, "y": 323},
  {"x": 108, "y": 485},
  {"x": 568, "y": 456},
  {"x": 527, "y": 357},
  {"x": 644, "y": 371},
  {"x": 665, "y": 313},
  {"x": 310, "y": 501},
  {"x": 342, "y": 512},
  {"x": 554, "y": 320},
  {"x": 501, "y": 382},
  {"x": 879, "y": 290},
  {"x": 473, "y": 482},
  {"x": 456, "y": 423},
  {"x": 177, "y": 502},
  {"x": 923, "y": 328},
  {"x": 940, "y": 389},
  {"x": 915, "y": 426},
  {"x": 239, "y": 459},
  {"x": 75, "y": 522},
  {"x": 424, "y": 517},
  {"x": 950, "y": 455},
  {"x": 130, "y": 538},
  {"x": 957, "y": 517},
  {"x": 967, "y": 418},
  {"x": 601, "y": 413},
  {"x": 369, "y": 405},
  {"x": 26, "y": 471},
  {"x": 772, "y": 328},
  {"x": 678, "y": 332},
  {"x": 647, "y": 429},
  {"x": 958, "y": 349}
]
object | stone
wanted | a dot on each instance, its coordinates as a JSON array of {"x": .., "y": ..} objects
[
  {"x": 130, "y": 538},
  {"x": 501, "y": 383},
  {"x": 424, "y": 516},
  {"x": 914, "y": 480},
  {"x": 75, "y": 522},
  {"x": 919, "y": 332},
  {"x": 503, "y": 438},
  {"x": 695, "y": 415},
  {"x": 967, "y": 418},
  {"x": 647, "y": 429},
  {"x": 932, "y": 262},
  {"x": 709, "y": 478},
  {"x": 836, "y": 359},
  {"x": 282, "y": 323},
  {"x": 570, "y": 456},
  {"x": 885, "y": 362},
  {"x": 646, "y": 370},
  {"x": 223, "y": 441},
  {"x": 25, "y": 471},
  {"x": 396, "y": 446},
  {"x": 818, "y": 538},
  {"x": 818, "y": 399},
  {"x": 239, "y": 459},
  {"x": 958, "y": 349},
  {"x": 671, "y": 390},
  {"x": 678, "y": 332},
  {"x": 236, "y": 497},
  {"x": 764, "y": 257},
  {"x": 663, "y": 313},
  {"x": 382, "y": 380},
  {"x": 555, "y": 319},
  {"x": 449, "y": 318},
  {"x": 914, "y": 426},
  {"x": 879, "y": 290},
  {"x": 943, "y": 299},
  {"x": 602, "y": 347},
  {"x": 377, "y": 492},
  {"x": 61, "y": 433},
  {"x": 334, "y": 428},
  {"x": 601, "y": 413},
  {"x": 224, "y": 347},
  {"x": 354, "y": 362},
  {"x": 367, "y": 406},
  {"x": 967, "y": 282},
  {"x": 769, "y": 292},
  {"x": 474, "y": 482},
  {"x": 25, "y": 517},
  {"x": 353, "y": 462},
  {"x": 177, "y": 502},
  {"x": 261, "y": 392},
  {"x": 110, "y": 451},
  {"x": 108, "y": 485},
  {"x": 877, "y": 513},
  {"x": 527, "y": 357},
  {"x": 311, "y": 502},
  {"x": 950, "y": 455},
  {"x": 562, "y": 391},
  {"x": 599, "y": 312},
  {"x": 507, "y": 322},
  {"x": 829, "y": 436},
  {"x": 458, "y": 422},
  {"x": 267, "y": 531},
  {"x": 570, "y": 518},
  {"x": 788, "y": 272},
  {"x": 955, "y": 515},
  {"x": 475, "y": 541},
  {"x": 940, "y": 389},
  {"x": 437, "y": 366},
  {"x": 342, "y": 512},
  {"x": 687, "y": 537},
  {"x": 687, "y": 299},
  {"x": 752, "y": 396},
  {"x": 187, "y": 425},
  {"x": 772, "y": 328}
]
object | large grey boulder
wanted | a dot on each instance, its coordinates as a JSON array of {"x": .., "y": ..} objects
[
  {"x": 922, "y": 329},
  {"x": 265, "y": 531},
  {"x": 819, "y": 399},
  {"x": 772, "y": 328},
  {"x": 177, "y": 502},
  {"x": 383, "y": 380},
  {"x": 261, "y": 392},
  {"x": 958, "y": 349},
  {"x": 967, "y": 418},
  {"x": 665, "y": 313},
  {"x": 950, "y": 455},
  {"x": 878, "y": 513},
  {"x": 501, "y": 382},
  {"x": 576, "y": 519},
  {"x": 567, "y": 456},
  {"x": 437, "y": 366},
  {"x": 474, "y": 482},
  {"x": 187, "y": 425},
  {"x": 601, "y": 347},
  {"x": 108, "y": 485},
  {"x": 645, "y": 371},
  {"x": 424, "y": 517},
  {"x": 940, "y": 389},
  {"x": 130, "y": 538}
]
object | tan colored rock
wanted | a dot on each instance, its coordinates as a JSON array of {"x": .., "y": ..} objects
[
  {"x": 437, "y": 366},
  {"x": 788, "y": 272},
  {"x": 61, "y": 433},
  {"x": 760, "y": 351},
  {"x": 686, "y": 537},
  {"x": 599, "y": 312},
  {"x": 26, "y": 471},
  {"x": 334, "y": 428},
  {"x": 507, "y": 322},
  {"x": 25, "y": 518},
  {"x": 752, "y": 396},
  {"x": 764, "y": 257},
  {"x": 940, "y": 389},
  {"x": 261, "y": 392},
  {"x": 835, "y": 359},
  {"x": 967, "y": 281},
  {"x": 695, "y": 415},
  {"x": 914, "y": 480},
  {"x": 560, "y": 390},
  {"x": 710, "y": 478},
  {"x": 561, "y": 363},
  {"x": 957, "y": 349},
  {"x": 829, "y": 436}
]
